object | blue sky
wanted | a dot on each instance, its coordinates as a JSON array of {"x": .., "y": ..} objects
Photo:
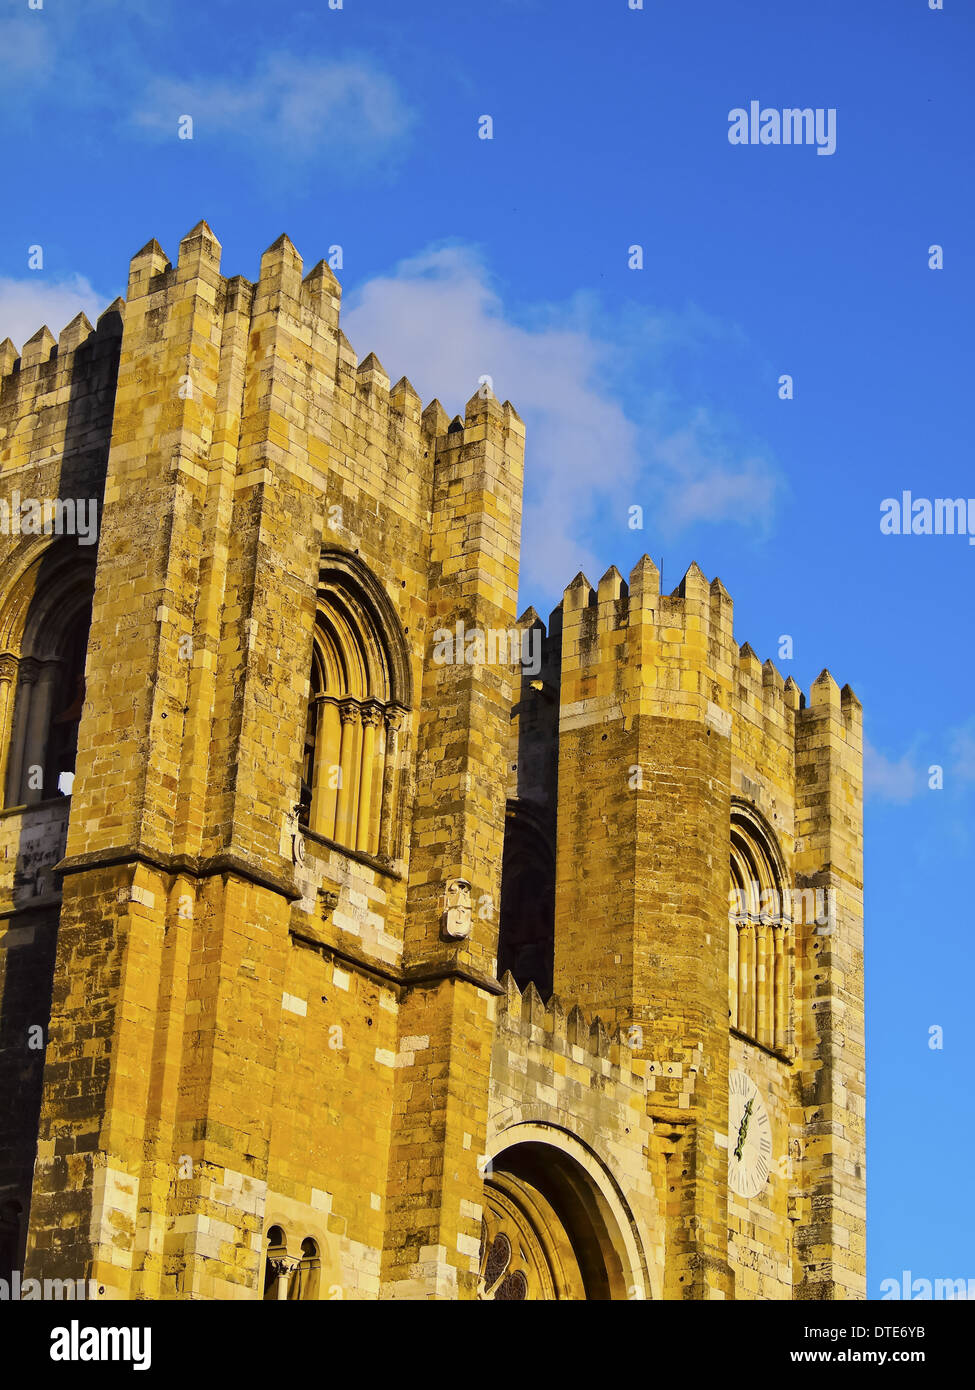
[{"x": 655, "y": 387}]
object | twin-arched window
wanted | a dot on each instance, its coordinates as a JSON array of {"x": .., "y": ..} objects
[
  {"x": 759, "y": 952},
  {"x": 358, "y": 702},
  {"x": 295, "y": 1278}
]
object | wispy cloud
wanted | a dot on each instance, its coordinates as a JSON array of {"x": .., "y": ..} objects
[
  {"x": 900, "y": 780},
  {"x": 27, "y": 304},
  {"x": 46, "y": 47},
  {"x": 887, "y": 780},
  {"x": 439, "y": 318},
  {"x": 299, "y": 108},
  {"x": 344, "y": 111},
  {"x": 27, "y": 46},
  {"x": 703, "y": 476}
]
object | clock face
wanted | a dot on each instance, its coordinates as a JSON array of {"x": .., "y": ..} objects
[{"x": 749, "y": 1136}]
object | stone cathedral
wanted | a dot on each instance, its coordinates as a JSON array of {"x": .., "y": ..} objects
[{"x": 338, "y": 961}]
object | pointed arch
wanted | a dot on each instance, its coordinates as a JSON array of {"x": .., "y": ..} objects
[{"x": 45, "y": 617}]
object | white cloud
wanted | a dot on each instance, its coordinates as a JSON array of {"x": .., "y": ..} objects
[
  {"x": 439, "y": 320},
  {"x": 900, "y": 781},
  {"x": 701, "y": 477},
  {"x": 886, "y": 780},
  {"x": 45, "y": 49},
  {"x": 299, "y": 107},
  {"x": 26, "y": 305}
]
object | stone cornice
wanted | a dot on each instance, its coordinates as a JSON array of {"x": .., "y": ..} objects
[{"x": 195, "y": 866}]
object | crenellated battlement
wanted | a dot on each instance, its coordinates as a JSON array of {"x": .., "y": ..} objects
[
  {"x": 489, "y": 429},
  {"x": 550, "y": 637},
  {"x": 566, "y": 1031},
  {"x": 825, "y": 694},
  {"x": 310, "y": 302},
  {"x": 622, "y": 639},
  {"x": 57, "y": 401},
  {"x": 28, "y": 372},
  {"x": 695, "y": 613}
]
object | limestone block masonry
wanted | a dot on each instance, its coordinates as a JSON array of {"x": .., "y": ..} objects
[{"x": 254, "y": 1042}]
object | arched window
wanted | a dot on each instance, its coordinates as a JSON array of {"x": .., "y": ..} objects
[
  {"x": 759, "y": 962},
  {"x": 278, "y": 1265},
  {"x": 44, "y": 629},
  {"x": 304, "y": 1281},
  {"x": 358, "y": 701}
]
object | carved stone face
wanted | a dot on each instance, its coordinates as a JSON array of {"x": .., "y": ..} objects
[{"x": 456, "y": 917}]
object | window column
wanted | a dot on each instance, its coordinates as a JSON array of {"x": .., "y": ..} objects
[
  {"x": 390, "y": 813},
  {"x": 761, "y": 1033},
  {"x": 371, "y": 720},
  {"x": 733, "y": 930},
  {"x": 8, "y": 690},
  {"x": 746, "y": 980},
  {"x": 348, "y": 792},
  {"x": 28, "y": 674},
  {"x": 328, "y": 753},
  {"x": 781, "y": 989}
]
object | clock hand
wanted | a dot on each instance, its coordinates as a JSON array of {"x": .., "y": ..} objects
[{"x": 743, "y": 1128}]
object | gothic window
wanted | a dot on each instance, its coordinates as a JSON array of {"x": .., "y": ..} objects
[
  {"x": 42, "y": 682},
  {"x": 499, "y": 1283},
  {"x": 758, "y": 947},
  {"x": 514, "y": 1263},
  {"x": 358, "y": 702}
]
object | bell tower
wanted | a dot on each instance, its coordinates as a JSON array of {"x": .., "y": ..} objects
[{"x": 705, "y": 813}]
